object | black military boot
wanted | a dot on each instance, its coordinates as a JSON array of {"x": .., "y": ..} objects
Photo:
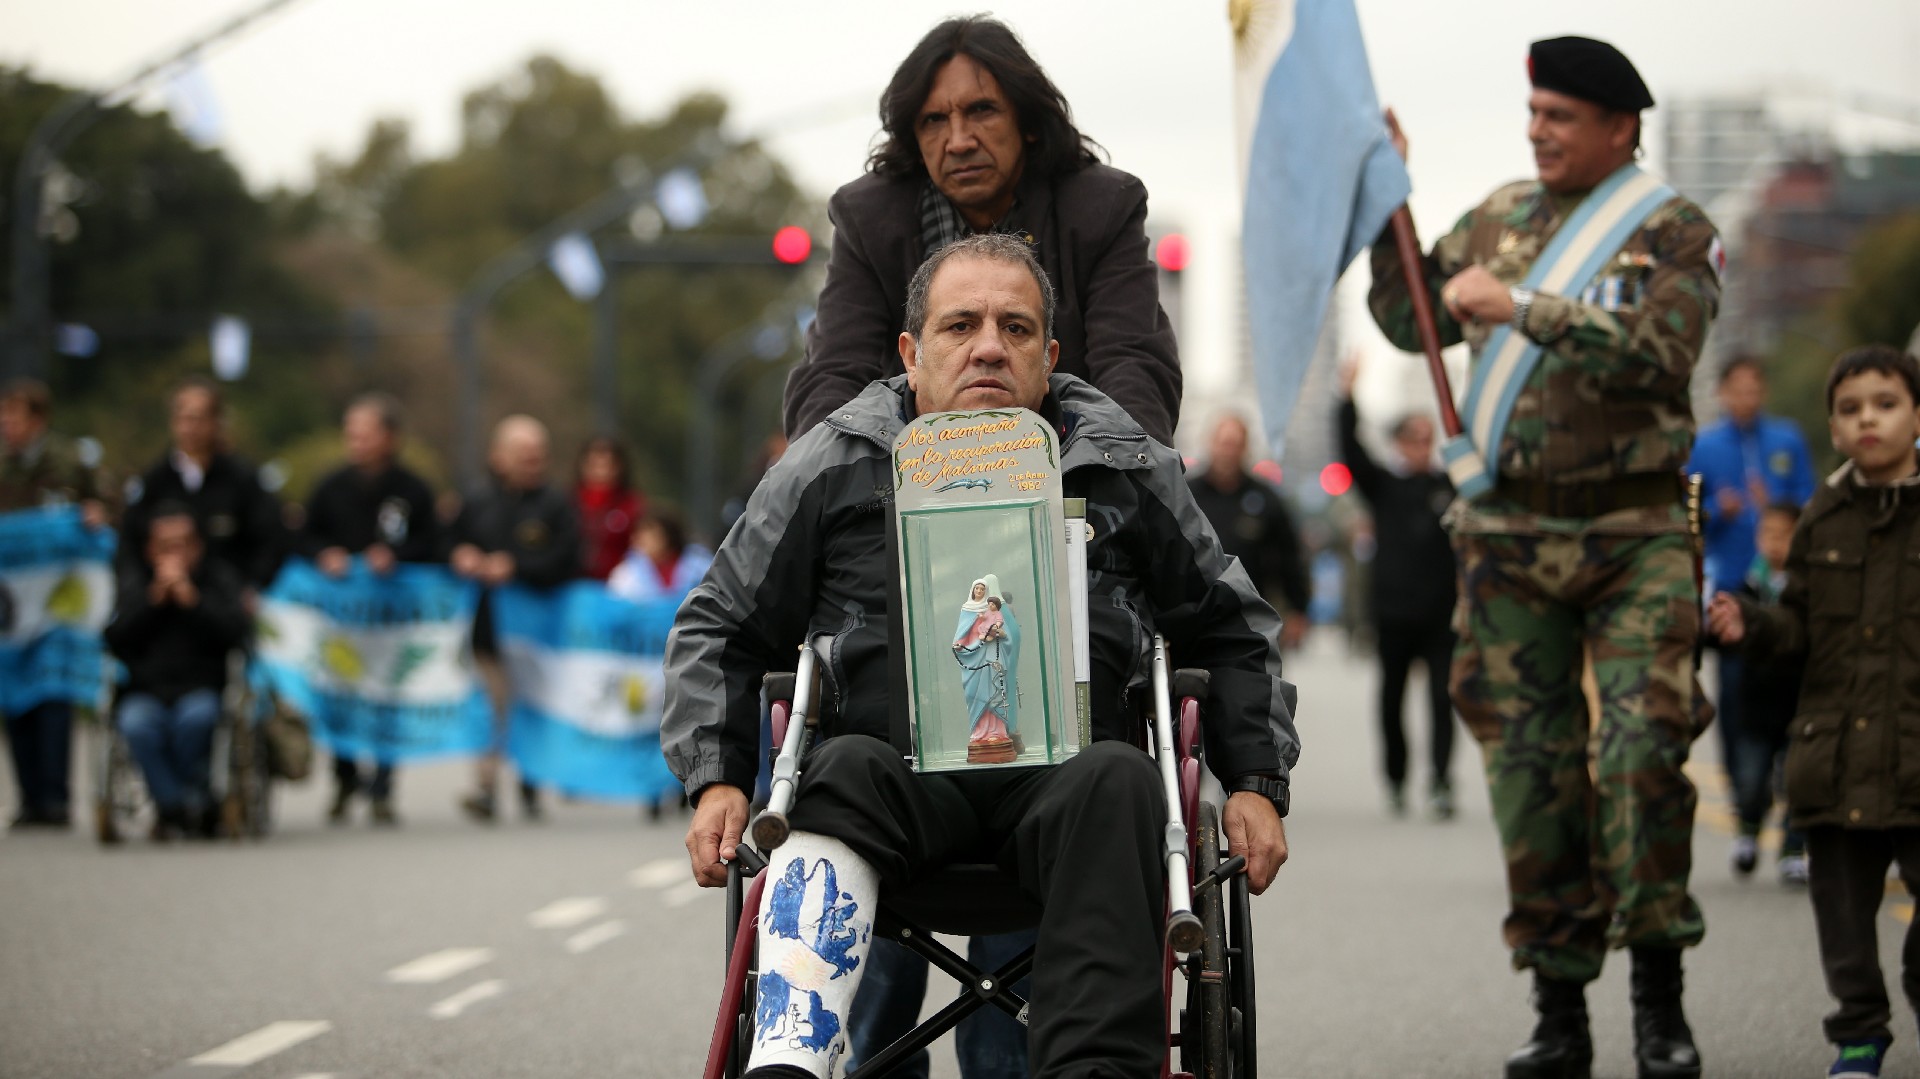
[
  {"x": 1662, "y": 1042},
  {"x": 1561, "y": 1047}
]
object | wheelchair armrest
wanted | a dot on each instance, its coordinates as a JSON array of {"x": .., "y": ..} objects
[
  {"x": 779, "y": 685},
  {"x": 1191, "y": 682}
]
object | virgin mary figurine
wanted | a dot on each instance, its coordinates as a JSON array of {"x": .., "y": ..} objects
[{"x": 987, "y": 644}]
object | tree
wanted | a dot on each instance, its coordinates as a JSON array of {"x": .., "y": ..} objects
[
  {"x": 1881, "y": 305},
  {"x": 149, "y": 238}
]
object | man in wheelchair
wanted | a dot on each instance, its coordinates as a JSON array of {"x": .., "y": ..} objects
[
  {"x": 1084, "y": 838},
  {"x": 177, "y": 616}
]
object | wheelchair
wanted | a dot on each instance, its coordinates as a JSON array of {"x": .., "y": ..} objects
[
  {"x": 1209, "y": 939},
  {"x": 240, "y": 774}
]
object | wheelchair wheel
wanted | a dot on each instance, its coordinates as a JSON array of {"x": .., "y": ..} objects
[
  {"x": 247, "y": 806},
  {"x": 1207, "y": 1023},
  {"x": 120, "y": 803}
]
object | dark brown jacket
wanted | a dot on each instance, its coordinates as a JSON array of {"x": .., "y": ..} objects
[
  {"x": 1089, "y": 229},
  {"x": 1851, "y": 608}
]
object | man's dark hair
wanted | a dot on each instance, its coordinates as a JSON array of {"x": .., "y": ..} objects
[
  {"x": 171, "y": 508},
  {"x": 993, "y": 246},
  {"x": 1789, "y": 510},
  {"x": 1744, "y": 362},
  {"x": 1053, "y": 145},
  {"x": 30, "y": 392},
  {"x": 1885, "y": 359},
  {"x": 384, "y": 406}
]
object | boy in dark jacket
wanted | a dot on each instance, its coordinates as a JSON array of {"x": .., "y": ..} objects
[
  {"x": 177, "y": 616},
  {"x": 1853, "y": 770}
]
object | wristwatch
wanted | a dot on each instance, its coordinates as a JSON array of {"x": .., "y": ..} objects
[
  {"x": 1522, "y": 305},
  {"x": 1272, "y": 788}
]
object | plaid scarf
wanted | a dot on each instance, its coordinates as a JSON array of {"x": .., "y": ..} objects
[{"x": 941, "y": 224}]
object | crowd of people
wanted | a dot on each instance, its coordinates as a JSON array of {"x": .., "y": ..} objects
[
  {"x": 1541, "y": 567},
  {"x": 201, "y": 537}
]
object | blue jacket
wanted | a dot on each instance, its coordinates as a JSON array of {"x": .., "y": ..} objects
[{"x": 1725, "y": 455}]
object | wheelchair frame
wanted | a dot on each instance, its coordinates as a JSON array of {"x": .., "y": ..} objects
[
  {"x": 238, "y": 773},
  {"x": 1209, "y": 929}
]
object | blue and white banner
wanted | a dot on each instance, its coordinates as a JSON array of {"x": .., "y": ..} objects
[
  {"x": 56, "y": 594},
  {"x": 587, "y": 687},
  {"x": 380, "y": 665}
]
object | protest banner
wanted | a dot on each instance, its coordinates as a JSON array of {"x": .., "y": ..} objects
[
  {"x": 56, "y": 593},
  {"x": 587, "y": 687},
  {"x": 380, "y": 665}
]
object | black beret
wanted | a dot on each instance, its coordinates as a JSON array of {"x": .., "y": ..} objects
[{"x": 1589, "y": 70}]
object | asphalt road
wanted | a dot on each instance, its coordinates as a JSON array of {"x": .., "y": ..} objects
[{"x": 576, "y": 947}]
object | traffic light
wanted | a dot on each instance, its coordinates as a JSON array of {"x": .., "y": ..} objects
[
  {"x": 1336, "y": 479},
  {"x": 1170, "y": 253},
  {"x": 792, "y": 245}
]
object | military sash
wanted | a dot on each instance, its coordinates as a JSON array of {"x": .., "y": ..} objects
[{"x": 1585, "y": 243}]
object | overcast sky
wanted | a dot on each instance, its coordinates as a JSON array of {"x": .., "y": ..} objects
[{"x": 1150, "y": 79}]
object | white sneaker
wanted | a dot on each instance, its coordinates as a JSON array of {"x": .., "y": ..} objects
[
  {"x": 1746, "y": 855},
  {"x": 1793, "y": 870}
]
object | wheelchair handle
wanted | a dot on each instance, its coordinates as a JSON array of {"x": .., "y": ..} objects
[
  {"x": 749, "y": 860},
  {"x": 1218, "y": 874}
]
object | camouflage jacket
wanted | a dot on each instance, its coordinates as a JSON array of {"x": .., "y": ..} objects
[
  {"x": 52, "y": 471},
  {"x": 1609, "y": 396}
]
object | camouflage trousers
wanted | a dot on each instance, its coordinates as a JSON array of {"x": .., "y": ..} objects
[{"x": 1595, "y": 813}]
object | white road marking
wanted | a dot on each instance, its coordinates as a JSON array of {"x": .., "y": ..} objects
[
  {"x": 659, "y": 873},
  {"x": 682, "y": 894},
  {"x": 466, "y": 998},
  {"x": 438, "y": 967},
  {"x": 567, "y": 913},
  {"x": 588, "y": 939},
  {"x": 250, "y": 1049}
]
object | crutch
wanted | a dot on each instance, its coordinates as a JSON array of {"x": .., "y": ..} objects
[
  {"x": 1184, "y": 931},
  {"x": 770, "y": 828}
]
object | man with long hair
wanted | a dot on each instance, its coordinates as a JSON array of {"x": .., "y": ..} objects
[{"x": 975, "y": 139}]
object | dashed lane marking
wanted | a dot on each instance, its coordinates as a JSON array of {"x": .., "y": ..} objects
[
  {"x": 588, "y": 939},
  {"x": 567, "y": 913},
  {"x": 438, "y": 967},
  {"x": 453, "y": 1006},
  {"x": 659, "y": 873},
  {"x": 250, "y": 1049}
]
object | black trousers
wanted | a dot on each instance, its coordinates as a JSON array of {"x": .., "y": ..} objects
[
  {"x": 346, "y": 772},
  {"x": 1848, "y": 867},
  {"x": 1083, "y": 838},
  {"x": 1401, "y": 643},
  {"x": 41, "y": 739}
]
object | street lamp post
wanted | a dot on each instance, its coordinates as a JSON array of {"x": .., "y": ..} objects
[
  {"x": 55, "y": 131},
  {"x": 766, "y": 339}
]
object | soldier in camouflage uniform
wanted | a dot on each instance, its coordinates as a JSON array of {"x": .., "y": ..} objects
[
  {"x": 1580, "y": 554},
  {"x": 41, "y": 468}
]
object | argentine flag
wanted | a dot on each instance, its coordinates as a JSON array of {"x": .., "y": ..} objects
[
  {"x": 56, "y": 594},
  {"x": 379, "y": 664},
  {"x": 1321, "y": 178},
  {"x": 587, "y": 686}
]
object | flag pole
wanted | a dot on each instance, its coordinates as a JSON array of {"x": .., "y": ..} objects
[{"x": 1408, "y": 244}]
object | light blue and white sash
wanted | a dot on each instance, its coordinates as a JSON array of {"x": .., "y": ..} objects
[{"x": 1578, "y": 252}]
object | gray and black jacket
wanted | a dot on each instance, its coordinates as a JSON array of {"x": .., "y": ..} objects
[{"x": 809, "y": 557}]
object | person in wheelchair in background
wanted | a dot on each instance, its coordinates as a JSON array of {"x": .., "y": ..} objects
[
  {"x": 1083, "y": 838},
  {"x": 177, "y": 617}
]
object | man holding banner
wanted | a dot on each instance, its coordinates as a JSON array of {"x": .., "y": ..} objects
[
  {"x": 1585, "y": 297},
  {"x": 54, "y": 594}
]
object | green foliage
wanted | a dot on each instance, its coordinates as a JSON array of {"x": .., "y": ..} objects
[{"x": 1882, "y": 303}]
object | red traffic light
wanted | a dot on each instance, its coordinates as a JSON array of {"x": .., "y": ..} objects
[
  {"x": 792, "y": 245},
  {"x": 1171, "y": 252},
  {"x": 1336, "y": 479}
]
